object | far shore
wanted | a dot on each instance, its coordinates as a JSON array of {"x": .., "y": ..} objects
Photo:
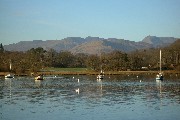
[{"x": 95, "y": 73}]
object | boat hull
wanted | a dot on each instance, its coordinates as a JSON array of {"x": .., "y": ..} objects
[
  {"x": 99, "y": 77},
  {"x": 9, "y": 77},
  {"x": 159, "y": 78},
  {"x": 39, "y": 78}
]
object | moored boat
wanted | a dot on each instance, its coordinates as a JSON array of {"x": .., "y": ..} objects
[
  {"x": 100, "y": 76},
  {"x": 39, "y": 77},
  {"x": 10, "y": 75},
  {"x": 159, "y": 76}
]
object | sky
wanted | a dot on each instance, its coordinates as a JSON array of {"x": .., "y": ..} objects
[{"x": 27, "y": 20}]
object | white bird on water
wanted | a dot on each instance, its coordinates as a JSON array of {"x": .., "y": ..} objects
[{"x": 77, "y": 90}]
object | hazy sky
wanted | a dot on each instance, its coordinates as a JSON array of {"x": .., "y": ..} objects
[{"x": 22, "y": 20}]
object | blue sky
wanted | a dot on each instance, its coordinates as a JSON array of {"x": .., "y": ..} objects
[{"x": 26, "y": 20}]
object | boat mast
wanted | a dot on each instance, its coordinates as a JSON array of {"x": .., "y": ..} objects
[
  {"x": 10, "y": 65},
  {"x": 160, "y": 61},
  {"x": 101, "y": 61}
]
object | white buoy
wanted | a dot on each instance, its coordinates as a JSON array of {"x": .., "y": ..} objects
[
  {"x": 78, "y": 80},
  {"x": 77, "y": 90},
  {"x": 140, "y": 81},
  {"x": 73, "y": 77}
]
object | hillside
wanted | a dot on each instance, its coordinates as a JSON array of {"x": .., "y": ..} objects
[
  {"x": 92, "y": 45},
  {"x": 108, "y": 45},
  {"x": 159, "y": 41}
]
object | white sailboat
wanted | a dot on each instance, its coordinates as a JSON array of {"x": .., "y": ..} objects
[
  {"x": 39, "y": 77},
  {"x": 100, "y": 76},
  {"x": 159, "y": 76},
  {"x": 10, "y": 75}
]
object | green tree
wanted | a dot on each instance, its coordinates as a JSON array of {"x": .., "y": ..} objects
[
  {"x": 35, "y": 59},
  {"x": 64, "y": 59},
  {"x": 80, "y": 60},
  {"x": 50, "y": 58},
  {"x": 117, "y": 60},
  {"x": 1, "y": 48},
  {"x": 93, "y": 62}
]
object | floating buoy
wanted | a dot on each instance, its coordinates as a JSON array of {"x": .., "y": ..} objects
[{"x": 77, "y": 90}]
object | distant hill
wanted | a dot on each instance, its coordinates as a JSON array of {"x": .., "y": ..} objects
[
  {"x": 159, "y": 41},
  {"x": 92, "y": 45},
  {"x": 108, "y": 45}
]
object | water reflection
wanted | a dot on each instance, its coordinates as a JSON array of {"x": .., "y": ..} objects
[
  {"x": 159, "y": 86},
  {"x": 68, "y": 97},
  {"x": 38, "y": 83},
  {"x": 8, "y": 86}
]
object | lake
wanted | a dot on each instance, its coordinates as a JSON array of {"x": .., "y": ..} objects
[{"x": 113, "y": 98}]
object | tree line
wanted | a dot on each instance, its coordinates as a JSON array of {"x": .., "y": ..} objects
[{"x": 37, "y": 58}]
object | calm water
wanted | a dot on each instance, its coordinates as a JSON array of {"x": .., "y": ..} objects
[{"x": 113, "y": 98}]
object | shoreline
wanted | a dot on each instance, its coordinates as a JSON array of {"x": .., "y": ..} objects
[{"x": 95, "y": 73}]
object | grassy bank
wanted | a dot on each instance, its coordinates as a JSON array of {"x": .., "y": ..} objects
[
  {"x": 86, "y": 71},
  {"x": 66, "y": 69}
]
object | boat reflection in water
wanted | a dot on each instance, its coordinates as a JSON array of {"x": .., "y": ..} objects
[
  {"x": 38, "y": 83},
  {"x": 159, "y": 85},
  {"x": 159, "y": 93},
  {"x": 8, "y": 84}
]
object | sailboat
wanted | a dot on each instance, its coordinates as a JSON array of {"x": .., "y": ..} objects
[
  {"x": 100, "y": 76},
  {"x": 10, "y": 75},
  {"x": 39, "y": 77},
  {"x": 159, "y": 76}
]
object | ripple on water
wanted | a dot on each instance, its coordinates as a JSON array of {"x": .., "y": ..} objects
[{"x": 109, "y": 98}]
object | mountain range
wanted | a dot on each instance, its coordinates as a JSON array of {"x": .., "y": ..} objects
[{"x": 92, "y": 45}]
